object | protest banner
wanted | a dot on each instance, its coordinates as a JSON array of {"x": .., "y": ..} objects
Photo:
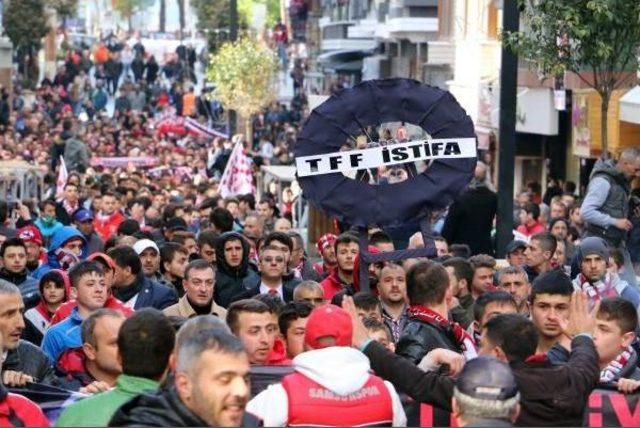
[
  {"x": 388, "y": 155},
  {"x": 609, "y": 408},
  {"x": 123, "y": 162}
]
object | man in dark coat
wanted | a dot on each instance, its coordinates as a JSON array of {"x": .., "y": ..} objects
[
  {"x": 470, "y": 218},
  {"x": 551, "y": 394},
  {"x": 234, "y": 274}
]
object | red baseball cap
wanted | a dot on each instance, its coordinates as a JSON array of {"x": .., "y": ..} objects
[
  {"x": 30, "y": 233},
  {"x": 328, "y": 321}
]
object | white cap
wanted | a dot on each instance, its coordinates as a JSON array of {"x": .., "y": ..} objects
[{"x": 143, "y": 244}]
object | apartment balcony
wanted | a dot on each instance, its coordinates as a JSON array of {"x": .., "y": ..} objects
[
  {"x": 441, "y": 52},
  {"x": 340, "y": 36}
]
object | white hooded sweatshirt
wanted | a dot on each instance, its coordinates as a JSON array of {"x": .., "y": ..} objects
[{"x": 339, "y": 369}]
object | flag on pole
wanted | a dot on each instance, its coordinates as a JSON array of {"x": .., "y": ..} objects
[
  {"x": 63, "y": 174},
  {"x": 237, "y": 178},
  {"x": 202, "y": 130}
]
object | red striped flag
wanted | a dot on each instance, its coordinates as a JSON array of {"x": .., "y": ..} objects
[{"x": 237, "y": 178}]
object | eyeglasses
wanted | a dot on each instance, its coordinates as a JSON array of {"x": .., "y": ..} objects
[{"x": 269, "y": 259}]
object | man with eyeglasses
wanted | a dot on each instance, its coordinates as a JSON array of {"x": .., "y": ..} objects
[{"x": 272, "y": 264}]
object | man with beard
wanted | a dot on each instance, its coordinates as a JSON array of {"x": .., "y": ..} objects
[
  {"x": 346, "y": 250},
  {"x": 211, "y": 387},
  {"x": 392, "y": 289},
  {"x": 594, "y": 278},
  {"x": 109, "y": 218},
  {"x": 14, "y": 270},
  {"x": 298, "y": 263},
  {"x": 327, "y": 252},
  {"x": 149, "y": 254},
  {"x": 83, "y": 220},
  {"x": 514, "y": 280},
  {"x": 428, "y": 327}
]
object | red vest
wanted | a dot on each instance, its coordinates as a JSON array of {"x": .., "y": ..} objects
[{"x": 310, "y": 404}]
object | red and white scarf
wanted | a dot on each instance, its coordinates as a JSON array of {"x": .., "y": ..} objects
[
  {"x": 464, "y": 339},
  {"x": 613, "y": 369},
  {"x": 596, "y": 290},
  {"x": 70, "y": 209}
]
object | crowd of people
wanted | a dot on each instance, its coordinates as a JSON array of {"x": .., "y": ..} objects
[{"x": 153, "y": 301}]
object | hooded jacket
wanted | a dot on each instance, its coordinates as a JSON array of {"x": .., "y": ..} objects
[
  {"x": 232, "y": 281},
  {"x": 61, "y": 237},
  {"x": 341, "y": 370},
  {"x": 38, "y": 319},
  {"x": 163, "y": 409}
]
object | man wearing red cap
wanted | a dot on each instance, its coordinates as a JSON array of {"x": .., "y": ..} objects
[
  {"x": 32, "y": 239},
  {"x": 332, "y": 384},
  {"x": 328, "y": 254}
]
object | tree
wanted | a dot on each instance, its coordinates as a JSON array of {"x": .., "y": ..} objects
[
  {"x": 243, "y": 75},
  {"x": 25, "y": 24},
  {"x": 126, "y": 8},
  {"x": 213, "y": 18},
  {"x": 597, "y": 36},
  {"x": 64, "y": 8}
]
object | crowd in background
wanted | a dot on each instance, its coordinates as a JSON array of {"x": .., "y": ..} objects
[{"x": 137, "y": 288}]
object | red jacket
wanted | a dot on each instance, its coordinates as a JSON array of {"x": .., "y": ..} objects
[
  {"x": 310, "y": 404},
  {"x": 112, "y": 303},
  {"x": 530, "y": 231},
  {"x": 16, "y": 410},
  {"x": 109, "y": 227},
  {"x": 332, "y": 285}
]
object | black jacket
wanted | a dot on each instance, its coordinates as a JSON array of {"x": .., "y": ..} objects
[
  {"x": 425, "y": 387},
  {"x": 419, "y": 338},
  {"x": 30, "y": 360},
  {"x": 470, "y": 220},
  {"x": 287, "y": 290},
  {"x": 556, "y": 394},
  {"x": 163, "y": 409},
  {"x": 232, "y": 281}
]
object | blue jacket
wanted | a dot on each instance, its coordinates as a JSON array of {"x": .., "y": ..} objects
[
  {"x": 155, "y": 295},
  {"x": 58, "y": 239},
  {"x": 63, "y": 336}
]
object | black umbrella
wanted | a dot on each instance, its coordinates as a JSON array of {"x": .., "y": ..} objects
[{"x": 371, "y": 103}]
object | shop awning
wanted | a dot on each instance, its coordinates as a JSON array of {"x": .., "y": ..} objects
[
  {"x": 343, "y": 55},
  {"x": 630, "y": 106}
]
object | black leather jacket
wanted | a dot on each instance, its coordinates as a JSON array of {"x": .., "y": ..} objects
[{"x": 418, "y": 338}]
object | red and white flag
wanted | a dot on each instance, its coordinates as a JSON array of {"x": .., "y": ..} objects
[
  {"x": 237, "y": 178},
  {"x": 63, "y": 174}
]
